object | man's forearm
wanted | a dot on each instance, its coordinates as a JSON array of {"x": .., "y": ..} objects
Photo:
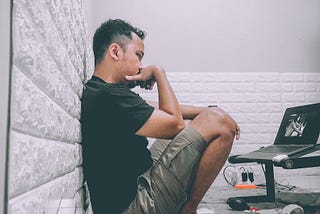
[
  {"x": 190, "y": 112},
  {"x": 187, "y": 111},
  {"x": 166, "y": 97}
]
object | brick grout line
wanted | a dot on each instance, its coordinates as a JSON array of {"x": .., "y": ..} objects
[{"x": 51, "y": 138}]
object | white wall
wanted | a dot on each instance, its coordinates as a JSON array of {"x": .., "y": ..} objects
[{"x": 224, "y": 36}]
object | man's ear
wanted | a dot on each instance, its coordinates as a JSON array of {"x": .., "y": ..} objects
[{"x": 114, "y": 51}]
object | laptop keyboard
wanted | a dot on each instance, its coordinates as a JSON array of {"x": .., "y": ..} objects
[
  {"x": 269, "y": 152},
  {"x": 282, "y": 149}
]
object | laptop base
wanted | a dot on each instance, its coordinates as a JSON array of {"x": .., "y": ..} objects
[{"x": 299, "y": 161}]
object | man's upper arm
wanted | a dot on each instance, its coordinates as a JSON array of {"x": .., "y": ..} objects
[{"x": 160, "y": 125}]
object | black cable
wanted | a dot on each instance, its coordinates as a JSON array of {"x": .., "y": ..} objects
[
  {"x": 243, "y": 168},
  {"x": 276, "y": 183},
  {"x": 224, "y": 175}
]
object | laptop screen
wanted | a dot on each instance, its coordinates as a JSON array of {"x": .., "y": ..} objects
[{"x": 300, "y": 125}]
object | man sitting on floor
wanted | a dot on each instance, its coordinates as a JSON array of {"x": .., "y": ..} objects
[{"x": 123, "y": 175}]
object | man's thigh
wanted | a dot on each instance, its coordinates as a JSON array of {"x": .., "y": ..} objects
[
  {"x": 164, "y": 188},
  {"x": 181, "y": 155}
]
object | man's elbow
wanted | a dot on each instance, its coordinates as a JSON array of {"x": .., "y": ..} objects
[
  {"x": 181, "y": 125},
  {"x": 176, "y": 128}
]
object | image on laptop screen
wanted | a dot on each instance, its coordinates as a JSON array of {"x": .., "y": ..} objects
[{"x": 296, "y": 125}]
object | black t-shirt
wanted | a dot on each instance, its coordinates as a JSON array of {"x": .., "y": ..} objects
[{"x": 113, "y": 155}]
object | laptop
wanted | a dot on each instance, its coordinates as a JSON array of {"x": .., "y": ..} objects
[{"x": 298, "y": 133}]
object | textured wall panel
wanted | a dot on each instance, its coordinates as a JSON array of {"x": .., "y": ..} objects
[
  {"x": 33, "y": 112},
  {"x": 39, "y": 199},
  {"x": 33, "y": 58},
  {"x": 66, "y": 15},
  {"x": 35, "y": 161},
  {"x": 52, "y": 58},
  {"x": 40, "y": 20}
]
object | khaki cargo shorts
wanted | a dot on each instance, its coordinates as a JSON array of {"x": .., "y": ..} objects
[{"x": 163, "y": 189}]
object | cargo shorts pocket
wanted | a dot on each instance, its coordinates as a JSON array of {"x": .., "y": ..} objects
[{"x": 168, "y": 191}]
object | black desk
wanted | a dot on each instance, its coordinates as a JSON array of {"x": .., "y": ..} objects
[{"x": 294, "y": 162}]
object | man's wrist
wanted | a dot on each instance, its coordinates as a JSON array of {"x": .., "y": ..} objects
[{"x": 158, "y": 72}]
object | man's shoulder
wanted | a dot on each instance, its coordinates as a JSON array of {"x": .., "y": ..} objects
[{"x": 97, "y": 86}]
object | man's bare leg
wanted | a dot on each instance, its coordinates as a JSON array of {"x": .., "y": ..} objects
[{"x": 218, "y": 129}]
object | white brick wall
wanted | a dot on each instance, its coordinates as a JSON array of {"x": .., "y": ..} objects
[
  {"x": 255, "y": 100},
  {"x": 51, "y": 60}
]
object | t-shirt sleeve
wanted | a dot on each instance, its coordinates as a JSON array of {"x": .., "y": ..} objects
[{"x": 132, "y": 110}]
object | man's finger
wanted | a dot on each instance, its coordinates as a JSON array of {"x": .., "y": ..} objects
[
  {"x": 133, "y": 78},
  {"x": 237, "y": 132}
]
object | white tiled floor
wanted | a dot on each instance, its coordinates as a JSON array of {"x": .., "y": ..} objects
[{"x": 64, "y": 206}]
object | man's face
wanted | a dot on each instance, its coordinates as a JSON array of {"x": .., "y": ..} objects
[{"x": 132, "y": 56}]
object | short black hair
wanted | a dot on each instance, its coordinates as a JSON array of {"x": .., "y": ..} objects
[{"x": 112, "y": 31}]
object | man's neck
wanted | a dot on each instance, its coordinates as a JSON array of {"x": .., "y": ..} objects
[{"x": 104, "y": 74}]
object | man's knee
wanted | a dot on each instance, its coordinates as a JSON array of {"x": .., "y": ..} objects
[
  {"x": 226, "y": 125},
  {"x": 215, "y": 122}
]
